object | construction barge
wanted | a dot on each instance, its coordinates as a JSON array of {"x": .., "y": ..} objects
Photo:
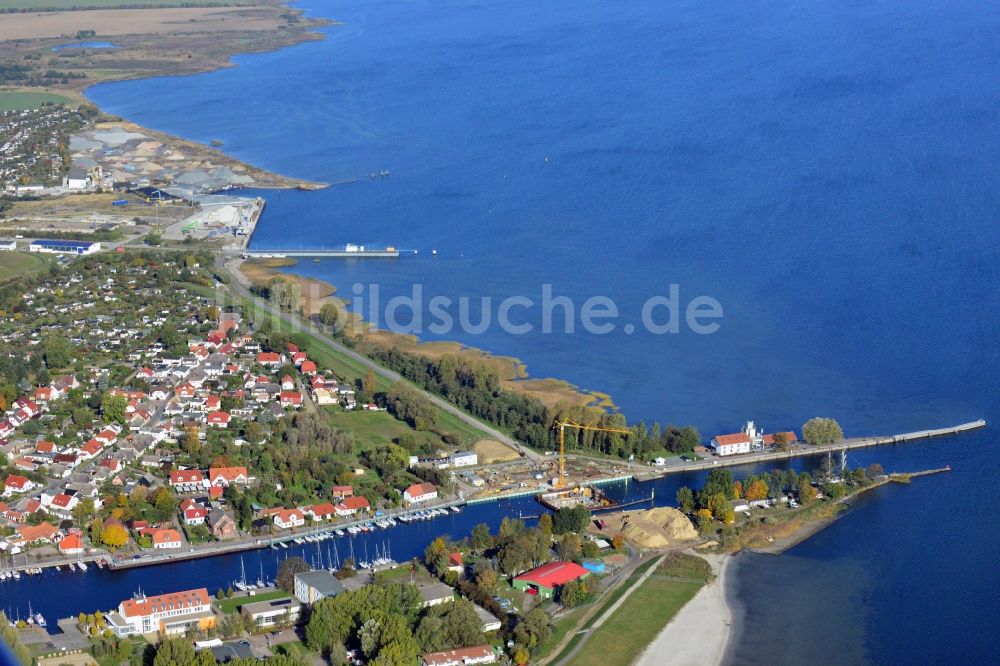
[{"x": 583, "y": 495}]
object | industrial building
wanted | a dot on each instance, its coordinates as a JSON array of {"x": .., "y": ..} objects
[{"x": 64, "y": 246}]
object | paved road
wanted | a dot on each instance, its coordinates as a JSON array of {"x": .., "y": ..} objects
[{"x": 239, "y": 285}]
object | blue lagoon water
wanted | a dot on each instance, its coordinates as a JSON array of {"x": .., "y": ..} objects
[{"x": 825, "y": 170}]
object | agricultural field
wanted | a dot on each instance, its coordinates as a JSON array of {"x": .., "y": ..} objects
[
  {"x": 20, "y": 101},
  {"x": 16, "y": 264}
]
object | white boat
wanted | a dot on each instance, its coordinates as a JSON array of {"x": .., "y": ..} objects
[
  {"x": 16, "y": 575},
  {"x": 82, "y": 565},
  {"x": 40, "y": 620},
  {"x": 455, "y": 509},
  {"x": 72, "y": 567},
  {"x": 339, "y": 532}
]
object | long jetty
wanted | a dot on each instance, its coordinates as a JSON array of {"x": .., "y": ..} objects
[{"x": 808, "y": 450}]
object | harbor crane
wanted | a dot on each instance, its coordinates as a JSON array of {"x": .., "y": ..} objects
[{"x": 562, "y": 441}]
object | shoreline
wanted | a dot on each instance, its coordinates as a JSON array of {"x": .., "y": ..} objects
[
  {"x": 700, "y": 634},
  {"x": 315, "y": 292}
]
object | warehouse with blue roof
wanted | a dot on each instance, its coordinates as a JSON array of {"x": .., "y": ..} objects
[{"x": 64, "y": 246}]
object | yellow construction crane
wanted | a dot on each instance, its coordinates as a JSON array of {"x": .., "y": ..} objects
[{"x": 562, "y": 442}]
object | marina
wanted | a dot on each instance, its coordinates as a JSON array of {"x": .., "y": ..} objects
[{"x": 349, "y": 251}]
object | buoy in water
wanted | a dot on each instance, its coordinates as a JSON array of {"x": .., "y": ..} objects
[{"x": 434, "y": 252}]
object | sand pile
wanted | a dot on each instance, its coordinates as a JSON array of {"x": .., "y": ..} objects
[{"x": 657, "y": 528}]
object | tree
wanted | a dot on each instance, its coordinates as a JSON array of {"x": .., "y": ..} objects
[
  {"x": 719, "y": 481},
  {"x": 532, "y": 629},
  {"x": 175, "y": 652},
  {"x": 806, "y": 491},
  {"x": 780, "y": 441},
  {"x": 481, "y": 539},
  {"x": 821, "y": 431},
  {"x": 368, "y": 384},
  {"x": 113, "y": 408},
  {"x": 83, "y": 511},
  {"x": 114, "y": 536},
  {"x": 569, "y": 547},
  {"x": 57, "y": 351},
  {"x": 571, "y": 519},
  {"x": 520, "y": 655},
  {"x": 704, "y": 518},
  {"x": 329, "y": 315},
  {"x": 875, "y": 469},
  {"x": 757, "y": 490},
  {"x": 287, "y": 570},
  {"x": 685, "y": 499},
  {"x": 545, "y": 524}
]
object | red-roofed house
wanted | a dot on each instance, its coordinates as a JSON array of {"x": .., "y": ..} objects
[
  {"x": 223, "y": 476},
  {"x": 187, "y": 480},
  {"x": 286, "y": 519},
  {"x": 90, "y": 449},
  {"x": 270, "y": 359},
  {"x": 470, "y": 656},
  {"x": 546, "y": 579},
  {"x": 351, "y": 506},
  {"x": 290, "y": 399},
  {"x": 72, "y": 544},
  {"x": 195, "y": 515},
  {"x": 218, "y": 420},
  {"x": 298, "y": 357},
  {"x": 215, "y": 492},
  {"x": 308, "y": 368},
  {"x": 324, "y": 511},
  {"x": 17, "y": 484},
  {"x": 62, "y": 504},
  {"x": 45, "y": 447},
  {"x": 44, "y": 394},
  {"x": 420, "y": 492},
  {"x": 41, "y": 533},
  {"x": 287, "y": 383},
  {"x": 340, "y": 492},
  {"x": 164, "y": 539},
  {"x": 213, "y": 403},
  {"x": 728, "y": 445}
]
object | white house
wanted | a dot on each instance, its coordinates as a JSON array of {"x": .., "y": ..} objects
[
  {"x": 169, "y": 614},
  {"x": 286, "y": 519},
  {"x": 420, "y": 492}
]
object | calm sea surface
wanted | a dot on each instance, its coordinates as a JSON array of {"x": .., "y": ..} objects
[{"x": 825, "y": 170}]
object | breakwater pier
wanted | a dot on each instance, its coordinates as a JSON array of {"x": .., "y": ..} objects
[{"x": 799, "y": 450}]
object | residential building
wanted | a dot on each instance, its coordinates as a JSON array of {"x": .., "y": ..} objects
[
  {"x": 287, "y": 519},
  {"x": 166, "y": 614},
  {"x": 488, "y": 621},
  {"x": 470, "y": 656},
  {"x": 222, "y": 525},
  {"x": 436, "y": 593},
  {"x": 312, "y": 586},
  {"x": 420, "y": 492},
  {"x": 187, "y": 480},
  {"x": 71, "y": 544},
  {"x": 273, "y": 613},
  {"x": 223, "y": 476},
  {"x": 165, "y": 539},
  {"x": 351, "y": 505}
]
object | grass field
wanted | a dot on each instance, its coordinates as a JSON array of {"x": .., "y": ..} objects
[
  {"x": 15, "y": 264},
  {"x": 18, "y": 101},
  {"x": 636, "y": 622},
  {"x": 229, "y": 605},
  {"x": 50, "y": 5}
]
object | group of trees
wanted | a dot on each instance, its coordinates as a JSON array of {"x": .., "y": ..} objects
[
  {"x": 407, "y": 405},
  {"x": 377, "y": 619},
  {"x": 8, "y": 635},
  {"x": 478, "y": 389}
]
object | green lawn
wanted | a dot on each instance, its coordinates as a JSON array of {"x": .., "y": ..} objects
[
  {"x": 636, "y": 622},
  {"x": 229, "y": 605},
  {"x": 16, "y": 264},
  {"x": 18, "y": 101}
]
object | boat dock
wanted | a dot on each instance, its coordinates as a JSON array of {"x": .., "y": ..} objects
[
  {"x": 349, "y": 252},
  {"x": 807, "y": 450}
]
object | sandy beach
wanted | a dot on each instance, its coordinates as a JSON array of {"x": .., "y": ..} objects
[{"x": 699, "y": 634}]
